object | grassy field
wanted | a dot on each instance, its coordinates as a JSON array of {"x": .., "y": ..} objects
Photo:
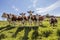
[{"x": 18, "y": 32}]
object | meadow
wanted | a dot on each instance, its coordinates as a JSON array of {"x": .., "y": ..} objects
[{"x": 18, "y": 32}]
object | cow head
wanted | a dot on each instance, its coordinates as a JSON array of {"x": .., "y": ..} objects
[
  {"x": 30, "y": 12},
  {"x": 4, "y": 15}
]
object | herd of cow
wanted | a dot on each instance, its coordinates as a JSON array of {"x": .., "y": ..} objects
[{"x": 37, "y": 19}]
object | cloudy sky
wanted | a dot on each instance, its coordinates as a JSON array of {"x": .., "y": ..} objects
[{"x": 39, "y": 6}]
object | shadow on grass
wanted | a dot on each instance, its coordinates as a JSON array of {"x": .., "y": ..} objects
[
  {"x": 58, "y": 32},
  {"x": 8, "y": 27},
  {"x": 47, "y": 33},
  {"x": 2, "y": 36},
  {"x": 35, "y": 35},
  {"x": 58, "y": 38},
  {"x": 43, "y": 26},
  {"x": 4, "y": 27},
  {"x": 19, "y": 29},
  {"x": 26, "y": 31}
]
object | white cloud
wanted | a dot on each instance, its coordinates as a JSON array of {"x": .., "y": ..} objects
[
  {"x": 16, "y": 9},
  {"x": 49, "y": 8},
  {"x": 29, "y": 7},
  {"x": 34, "y": 2}
]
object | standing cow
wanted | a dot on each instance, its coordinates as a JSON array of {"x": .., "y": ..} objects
[
  {"x": 37, "y": 19},
  {"x": 11, "y": 18},
  {"x": 4, "y": 15},
  {"x": 41, "y": 18},
  {"x": 7, "y": 16},
  {"x": 23, "y": 18},
  {"x": 53, "y": 21},
  {"x": 30, "y": 16}
]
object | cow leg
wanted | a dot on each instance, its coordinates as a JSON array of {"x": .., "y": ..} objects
[
  {"x": 37, "y": 23},
  {"x": 22, "y": 23},
  {"x": 19, "y": 22},
  {"x": 53, "y": 24},
  {"x": 25, "y": 22},
  {"x": 50, "y": 24},
  {"x": 30, "y": 22},
  {"x": 40, "y": 23},
  {"x": 8, "y": 21},
  {"x": 14, "y": 23},
  {"x": 34, "y": 22}
]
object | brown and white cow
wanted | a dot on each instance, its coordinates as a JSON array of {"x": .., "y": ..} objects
[{"x": 53, "y": 21}]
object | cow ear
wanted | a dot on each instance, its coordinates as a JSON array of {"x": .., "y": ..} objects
[
  {"x": 32, "y": 11},
  {"x": 3, "y": 12}
]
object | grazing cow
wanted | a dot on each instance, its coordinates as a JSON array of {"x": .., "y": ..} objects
[
  {"x": 41, "y": 18},
  {"x": 53, "y": 21}
]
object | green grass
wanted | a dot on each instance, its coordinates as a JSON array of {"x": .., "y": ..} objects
[{"x": 51, "y": 32}]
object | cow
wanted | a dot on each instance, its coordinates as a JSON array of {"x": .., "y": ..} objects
[
  {"x": 11, "y": 18},
  {"x": 7, "y": 16},
  {"x": 41, "y": 18},
  {"x": 30, "y": 16},
  {"x": 4, "y": 15},
  {"x": 19, "y": 18},
  {"x": 53, "y": 21},
  {"x": 23, "y": 18},
  {"x": 33, "y": 18},
  {"x": 37, "y": 19}
]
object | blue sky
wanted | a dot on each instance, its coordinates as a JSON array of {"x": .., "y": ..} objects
[{"x": 39, "y": 6}]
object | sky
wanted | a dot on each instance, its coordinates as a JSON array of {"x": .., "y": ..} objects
[{"x": 41, "y": 7}]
